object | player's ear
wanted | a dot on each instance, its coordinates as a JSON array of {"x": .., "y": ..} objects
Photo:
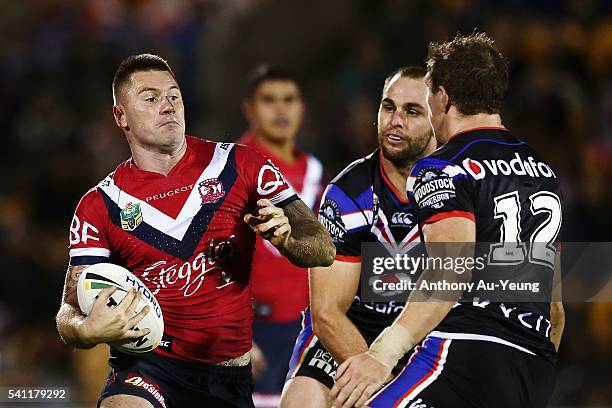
[
  {"x": 445, "y": 101},
  {"x": 120, "y": 118}
]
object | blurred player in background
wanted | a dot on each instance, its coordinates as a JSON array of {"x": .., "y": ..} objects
[
  {"x": 484, "y": 185},
  {"x": 182, "y": 214},
  {"x": 274, "y": 109},
  {"x": 366, "y": 202}
]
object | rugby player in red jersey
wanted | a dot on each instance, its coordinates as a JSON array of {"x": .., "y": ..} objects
[
  {"x": 182, "y": 214},
  {"x": 274, "y": 109}
]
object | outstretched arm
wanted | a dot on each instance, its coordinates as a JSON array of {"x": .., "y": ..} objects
[
  {"x": 295, "y": 232},
  {"x": 361, "y": 375},
  {"x": 557, "y": 313},
  {"x": 332, "y": 290}
]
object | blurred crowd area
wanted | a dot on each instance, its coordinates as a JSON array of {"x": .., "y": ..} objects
[{"x": 57, "y": 60}]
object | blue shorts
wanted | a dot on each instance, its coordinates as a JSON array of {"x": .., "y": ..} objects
[
  {"x": 167, "y": 382},
  {"x": 444, "y": 373}
]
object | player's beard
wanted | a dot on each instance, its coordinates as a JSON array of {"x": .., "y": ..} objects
[{"x": 415, "y": 146}]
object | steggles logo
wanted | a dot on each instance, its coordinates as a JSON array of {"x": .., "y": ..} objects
[{"x": 190, "y": 273}]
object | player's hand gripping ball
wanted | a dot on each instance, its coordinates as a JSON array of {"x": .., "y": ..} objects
[{"x": 104, "y": 275}]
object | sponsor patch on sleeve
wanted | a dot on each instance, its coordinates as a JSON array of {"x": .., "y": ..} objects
[
  {"x": 433, "y": 187},
  {"x": 330, "y": 217}
]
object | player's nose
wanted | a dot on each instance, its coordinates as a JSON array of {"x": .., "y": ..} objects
[
  {"x": 167, "y": 106},
  {"x": 397, "y": 119},
  {"x": 280, "y": 107}
]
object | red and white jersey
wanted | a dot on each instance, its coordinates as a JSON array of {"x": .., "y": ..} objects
[
  {"x": 279, "y": 288},
  {"x": 183, "y": 234}
]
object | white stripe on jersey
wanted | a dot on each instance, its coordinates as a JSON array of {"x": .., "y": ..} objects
[
  {"x": 283, "y": 195},
  {"x": 410, "y": 183},
  {"x": 310, "y": 345},
  {"x": 453, "y": 170},
  {"x": 412, "y": 235},
  {"x": 312, "y": 181},
  {"x": 394, "y": 248},
  {"x": 481, "y": 337},
  {"x": 103, "y": 252},
  {"x": 357, "y": 219},
  {"x": 176, "y": 228}
]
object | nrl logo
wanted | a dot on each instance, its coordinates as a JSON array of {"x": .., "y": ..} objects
[
  {"x": 131, "y": 217},
  {"x": 211, "y": 191}
]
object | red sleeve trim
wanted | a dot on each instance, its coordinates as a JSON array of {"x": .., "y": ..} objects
[
  {"x": 347, "y": 258},
  {"x": 449, "y": 214}
]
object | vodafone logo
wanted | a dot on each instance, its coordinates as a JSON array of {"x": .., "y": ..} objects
[
  {"x": 474, "y": 168},
  {"x": 269, "y": 179},
  {"x": 518, "y": 166}
]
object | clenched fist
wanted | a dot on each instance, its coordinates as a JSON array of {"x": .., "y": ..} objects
[{"x": 270, "y": 223}]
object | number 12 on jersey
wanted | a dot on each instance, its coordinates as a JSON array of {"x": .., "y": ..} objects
[{"x": 512, "y": 250}]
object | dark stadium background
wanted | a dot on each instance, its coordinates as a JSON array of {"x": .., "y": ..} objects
[{"x": 57, "y": 59}]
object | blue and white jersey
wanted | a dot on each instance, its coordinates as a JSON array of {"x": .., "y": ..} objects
[{"x": 362, "y": 205}]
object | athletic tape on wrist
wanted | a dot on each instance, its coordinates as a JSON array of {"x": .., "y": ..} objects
[{"x": 391, "y": 345}]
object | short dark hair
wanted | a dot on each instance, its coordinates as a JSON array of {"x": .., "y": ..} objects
[
  {"x": 267, "y": 72},
  {"x": 473, "y": 72},
  {"x": 412, "y": 71},
  {"x": 138, "y": 63}
]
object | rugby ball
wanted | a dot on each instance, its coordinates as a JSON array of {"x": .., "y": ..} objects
[{"x": 97, "y": 277}]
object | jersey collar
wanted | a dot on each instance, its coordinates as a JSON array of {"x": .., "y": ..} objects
[
  {"x": 476, "y": 129},
  {"x": 185, "y": 161},
  {"x": 388, "y": 182}
]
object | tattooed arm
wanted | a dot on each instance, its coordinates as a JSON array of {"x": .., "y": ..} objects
[
  {"x": 295, "y": 231},
  {"x": 69, "y": 319},
  {"x": 103, "y": 324}
]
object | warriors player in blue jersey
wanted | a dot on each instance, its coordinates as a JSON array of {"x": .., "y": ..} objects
[
  {"x": 483, "y": 186},
  {"x": 366, "y": 202}
]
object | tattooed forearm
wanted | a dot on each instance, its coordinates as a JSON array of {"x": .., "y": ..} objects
[
  {"x": 70, "y": 284},
  {"x": 309, "y": 244},
  {"x": 69, "y": 317}
]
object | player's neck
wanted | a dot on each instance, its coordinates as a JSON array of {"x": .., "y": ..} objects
[
  {"x": 157, "y": 160},
  {"x": 397, "y": 175},
  {"x": 284, "y": 149},
  {"x": 460, "y": 123}
]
